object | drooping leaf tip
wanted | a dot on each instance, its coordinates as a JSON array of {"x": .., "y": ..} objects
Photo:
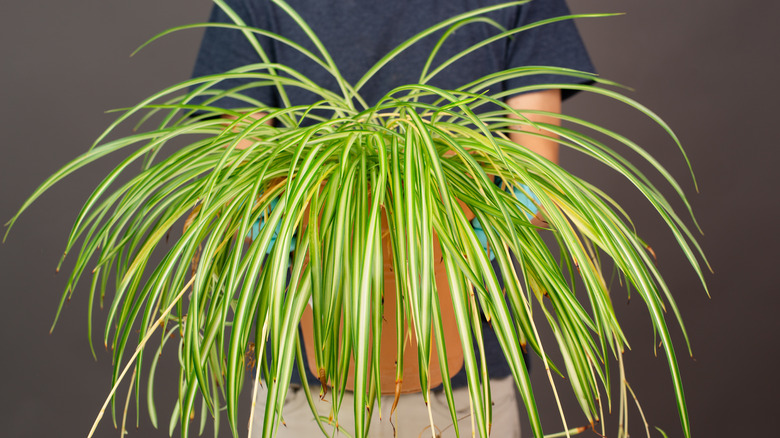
[{"x": 652, "y": 253}]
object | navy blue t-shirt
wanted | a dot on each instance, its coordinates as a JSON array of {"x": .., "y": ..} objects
[{"x": 357, "y": 33}]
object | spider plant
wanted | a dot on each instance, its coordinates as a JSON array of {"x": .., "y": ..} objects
[{"x": 324, "y": 183}]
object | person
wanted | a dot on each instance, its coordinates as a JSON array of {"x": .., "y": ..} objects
[{"x": 357, "y": 34}]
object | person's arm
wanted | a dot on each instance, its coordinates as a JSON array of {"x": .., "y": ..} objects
[
  {"x": 245, "y": 143},
  {"x": 547, "y": 100}
]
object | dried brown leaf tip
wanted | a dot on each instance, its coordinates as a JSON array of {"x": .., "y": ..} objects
[
  {"x": 652, "y": 253},
  {"x": 250, "y": 356},
  {"x": 323, "y": 377},
  {"x": 191, "y": 217},
  {"x": 398, "y": 384}
]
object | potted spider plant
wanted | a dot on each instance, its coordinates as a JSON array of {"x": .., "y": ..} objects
[{"x": 349, "y": 206}]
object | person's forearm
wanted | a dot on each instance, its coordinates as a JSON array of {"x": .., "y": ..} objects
[
  {"x": 547, "y": 100},
  {"x": 245, "y": 143}
]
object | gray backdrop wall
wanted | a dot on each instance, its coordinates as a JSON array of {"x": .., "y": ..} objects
[{"x": 708, "y": 68}]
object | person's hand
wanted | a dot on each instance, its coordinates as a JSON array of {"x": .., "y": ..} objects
[
  {"x": 530, "y": 210},
  {"x": 258, "y": 226}
]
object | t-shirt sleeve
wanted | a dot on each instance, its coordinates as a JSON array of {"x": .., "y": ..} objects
[
  {"x": 224, "y": 49},
  {"x": 555, "y": 44}
]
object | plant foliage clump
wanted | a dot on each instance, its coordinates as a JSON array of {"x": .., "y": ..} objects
[{"x": 324, "y": 187}]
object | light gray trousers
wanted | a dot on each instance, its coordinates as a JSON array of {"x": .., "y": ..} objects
[{"x": 410, "y": 418}]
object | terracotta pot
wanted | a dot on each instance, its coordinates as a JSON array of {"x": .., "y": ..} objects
[{"x": 411, "y": 380}]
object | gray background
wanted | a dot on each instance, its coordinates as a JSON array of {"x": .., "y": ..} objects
[{"x": 708, "y": 68}]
